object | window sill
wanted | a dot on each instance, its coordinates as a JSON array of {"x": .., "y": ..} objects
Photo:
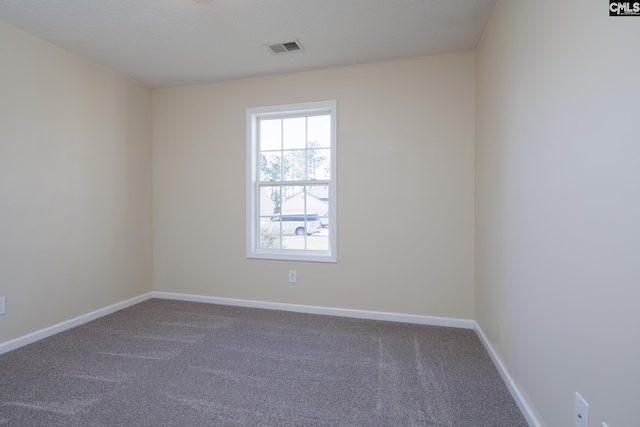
[{"x": 293, "y": 256}]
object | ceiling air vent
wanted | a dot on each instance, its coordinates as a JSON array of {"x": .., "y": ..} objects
[{"x": 279, "y": 48}]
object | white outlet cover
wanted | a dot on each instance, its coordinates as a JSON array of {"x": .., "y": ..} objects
[
  {"x": 581, "y": 413},
  {"x": 292, "y": 276}
]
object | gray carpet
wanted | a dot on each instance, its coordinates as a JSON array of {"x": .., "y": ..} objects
[{"x": 171, "y": 363}]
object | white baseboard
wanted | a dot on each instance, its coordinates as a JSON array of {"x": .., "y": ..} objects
[
  {"x": 526, "y": 410},
  {"x": 340, "y": 312},
  {"x": 72, "y": 323},
  {"x": 329, "y": 311}
]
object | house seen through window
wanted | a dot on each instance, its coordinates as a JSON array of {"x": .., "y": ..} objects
[{"x": 291, "y": 202}]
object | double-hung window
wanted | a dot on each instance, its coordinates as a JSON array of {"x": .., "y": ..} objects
[{"x": 291, "y": 182}]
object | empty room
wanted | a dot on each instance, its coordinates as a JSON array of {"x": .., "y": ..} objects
[{"x": 319, "y": 213}]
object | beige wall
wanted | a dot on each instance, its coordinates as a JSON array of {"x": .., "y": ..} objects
[
  {"x": 558, "y": 204},
  {"x": 405, "y": 188},
  {"x": 75, "y": 185}
]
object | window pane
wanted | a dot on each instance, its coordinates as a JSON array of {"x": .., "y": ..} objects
[
  {"x": 318, "y": 199},
  {"x": 270, "y": 236},
  {"x": 319, "y": 131},
  {"x": 318, "y": 242},
  {"x": 318, "y": 204},
  {"x": 294, "y": 242},
  {"x": 295, "y": 165},
  {"x": 293, "y": 200},
  {"x": 294, "y": 133},
  {"x": 319, "y": 164},
  {"x": 270, "y": 134},
  {"x": 294, "y": 223},
  {"x": 270, "y": 166},
  {"x": 269, "y": 201}
]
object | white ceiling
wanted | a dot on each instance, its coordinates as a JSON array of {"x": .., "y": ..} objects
[{"x": 179, "y": 42}]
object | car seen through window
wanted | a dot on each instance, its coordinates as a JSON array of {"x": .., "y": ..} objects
[{"x": 298, "y": 224}]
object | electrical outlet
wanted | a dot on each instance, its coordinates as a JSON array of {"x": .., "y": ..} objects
[
  {"x": 292, "y": 276},
  {"x": 2, "y": 308},
  {"x": 581, "y": 412}
]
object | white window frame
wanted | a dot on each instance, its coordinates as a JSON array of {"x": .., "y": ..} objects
[{"x": 253, "y": 187}]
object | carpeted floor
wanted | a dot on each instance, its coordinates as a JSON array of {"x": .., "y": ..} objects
[{"x": 171, "y": 363}]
